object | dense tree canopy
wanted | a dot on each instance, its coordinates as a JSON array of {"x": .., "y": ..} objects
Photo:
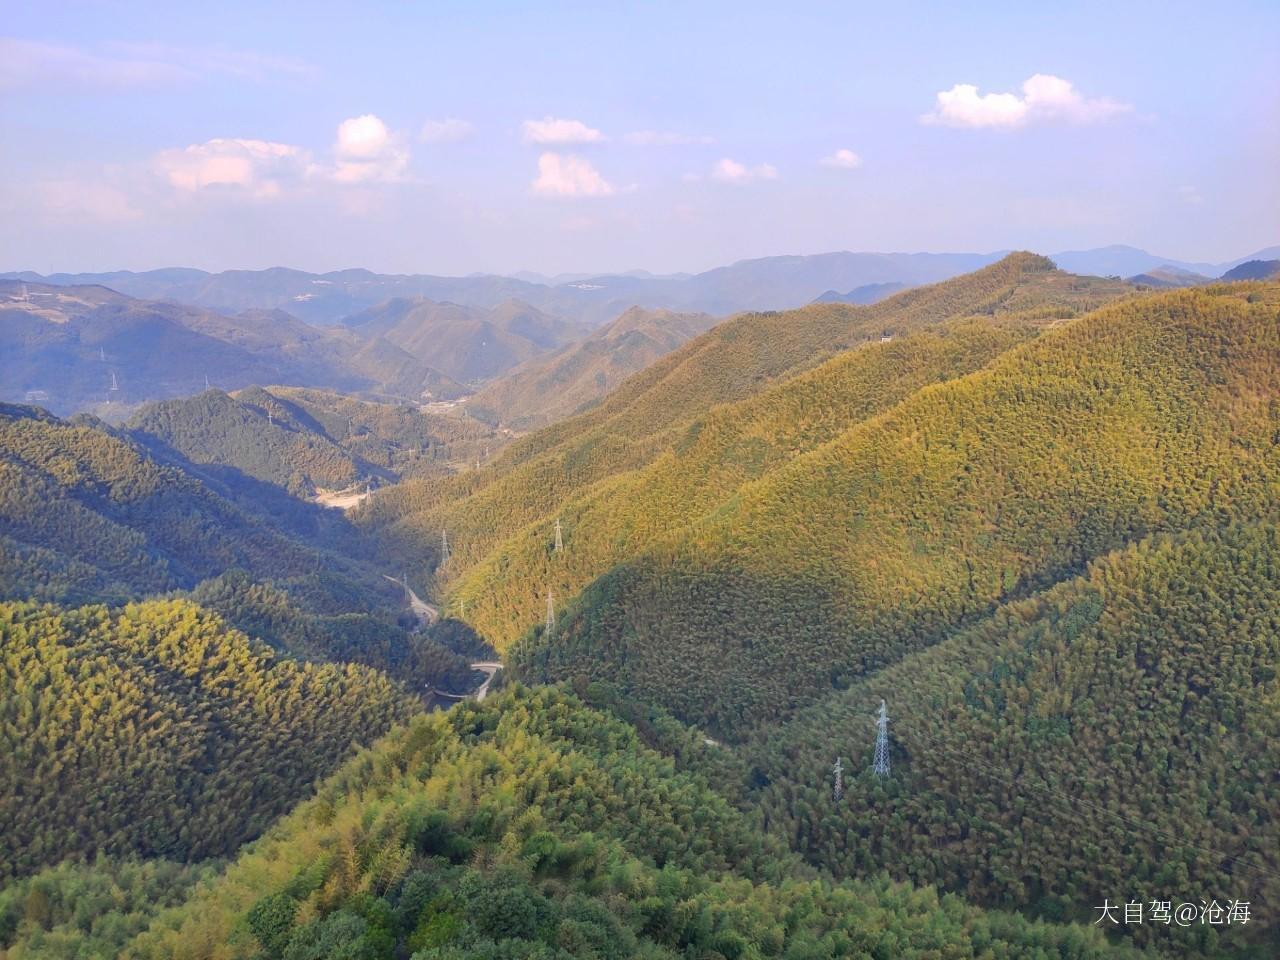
[{"x": 156, "y": 730}]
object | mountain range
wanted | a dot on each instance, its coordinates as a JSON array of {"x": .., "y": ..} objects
[
  {"x": 768, "y": 283},
  {"x": 1032, "y": 512},
  {"x": 549, "y": 388}
]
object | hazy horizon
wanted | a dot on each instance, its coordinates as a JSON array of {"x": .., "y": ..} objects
[{"x": 450, "y": 141}]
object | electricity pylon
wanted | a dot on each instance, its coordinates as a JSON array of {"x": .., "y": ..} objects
[
  {"x": 444, "y": 545},
  {"x": 838, "y": 790},
  {"x": 881, "y": 764},
  {"x": 559, "y": 537},
  {"x": 551, "y": 613}
]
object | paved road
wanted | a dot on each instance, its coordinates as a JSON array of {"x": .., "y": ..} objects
[
  {"x": 425, "y": 612},
  {"x": 489, "y": 667}
]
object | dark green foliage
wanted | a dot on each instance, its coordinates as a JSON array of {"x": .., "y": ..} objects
[
  {"x": 305, "y": 440},
  {"x": 86, "y": 515},
  {"x": 1117, "y": 735},
  {"x": 534, "y": 827},
  {"x": 156, "y": 730},
  {"x": 267, "y": 613}
]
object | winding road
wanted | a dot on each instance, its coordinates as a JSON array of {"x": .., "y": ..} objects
[
  {"x": 425, "y": 612},
  {"x": 427, "y": 615}
]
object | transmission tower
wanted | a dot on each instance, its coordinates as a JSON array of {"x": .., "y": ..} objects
[
  {"x": 551, "y": 613},
  {"x": 881, "y": 765},
  {"x": 444, "y": 545},
  {"x": 837, "y": 791},
  {"x": 559, "y": 537},
  {"x": 114, "y": 383},
  {"x": 206, "y": 381},
  {"x": 102, "y": 354}
]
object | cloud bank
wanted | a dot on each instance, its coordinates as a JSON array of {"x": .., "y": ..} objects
[
  {"x": 569, "y": 176},
  {"x": 842, "y": 159},
  {"x": 1045, "y": 98},
  {"x": 731, "y": 171},
  {"x": 552, "y": 130}
]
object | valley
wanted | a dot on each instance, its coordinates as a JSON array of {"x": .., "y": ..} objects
[{"x": 568, "y": 660}]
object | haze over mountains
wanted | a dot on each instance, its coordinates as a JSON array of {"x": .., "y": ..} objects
[
  {"x": 769, "y": 283},
  {"x": 108, "y": 342},
  {"x": 1034, "y": 510}
]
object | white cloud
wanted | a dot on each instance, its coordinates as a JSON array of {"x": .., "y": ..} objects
[
  {"x": 1044, "y": 98},
  {"x": 731, "y": 171},
  {"x": 44, "y": 66},
  {"x": 258, "y": 167},
  {"x": 663, "y": 138},
  {"x": 842, "y": 159},
  {"x": 550, "y": 130},
  {"x": 449, "y": 130},
  {"x": 569, "y": 176},
  {"x": 79, "y": 198},
  {"x": 366, "y": 151}
]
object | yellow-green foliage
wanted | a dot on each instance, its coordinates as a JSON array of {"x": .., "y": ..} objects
[
  {"x": 157, "y": 730},
  {"x": 615, "y": 519},
  {"x": 1156, "y": 414},
  {"x": 651, "y": 413},
  {"x": 533, "y": 827},
  {"x": 1116, "y": 736}
]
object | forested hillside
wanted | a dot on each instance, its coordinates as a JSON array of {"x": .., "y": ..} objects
[
  {"x": 1157, "y": 414},
  {"x": 75, "y": 348},
  {"x": 546, "y": 389},
  {"x": 155, "y": 730},
  {"x": 654, "y": 422},
  {"x": 534, "y": 827},
  {"x": 85, "y": 514},
  {"x": 88, "y": 516},
  {"x": 467, "y": 344},
  {"x": 305, "y": 440},
  {"x": 1119, "y": 731}
]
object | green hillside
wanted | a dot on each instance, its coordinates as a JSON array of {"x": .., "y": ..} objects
[
  {"x": 1156, "y": 414},
  {"x": 546, "y": 389},
  {"x": 647, "y": 415},
  {"x": 534, "y": 827},
  {"x": 1119, "y": 732},
  {"x": 88, "y": 516},
  {"x": 614, "y": 520},
  {"x": 156, "y": 730},
  {"x": 305, "y": 440}
]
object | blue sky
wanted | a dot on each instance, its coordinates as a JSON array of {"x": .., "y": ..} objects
[{"x": 452, "y": 138}]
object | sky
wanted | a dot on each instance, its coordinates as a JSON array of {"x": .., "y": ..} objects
[{"x": 452, "y": 138}]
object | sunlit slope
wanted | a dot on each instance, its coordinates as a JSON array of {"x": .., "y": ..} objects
[
  {"x": 1157, "y": 414},
  {"x": 707, "y": 463},
  {"x": 533, "y": 826},
  {"x": 545, "y": 389},
  {"x": 647, "y": 413},
  {"x": 1120, "y": 731}
]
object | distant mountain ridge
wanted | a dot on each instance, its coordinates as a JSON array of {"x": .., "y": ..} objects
[
  {"x": 75, "y": 347},
  {"x": 767, "y": 283},
  {"x": 867, "y": 294},
  {"x": 1254, "y": 270},
  {"x": 552, "y": 387},
  {"x": 466, "y": 343}
]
